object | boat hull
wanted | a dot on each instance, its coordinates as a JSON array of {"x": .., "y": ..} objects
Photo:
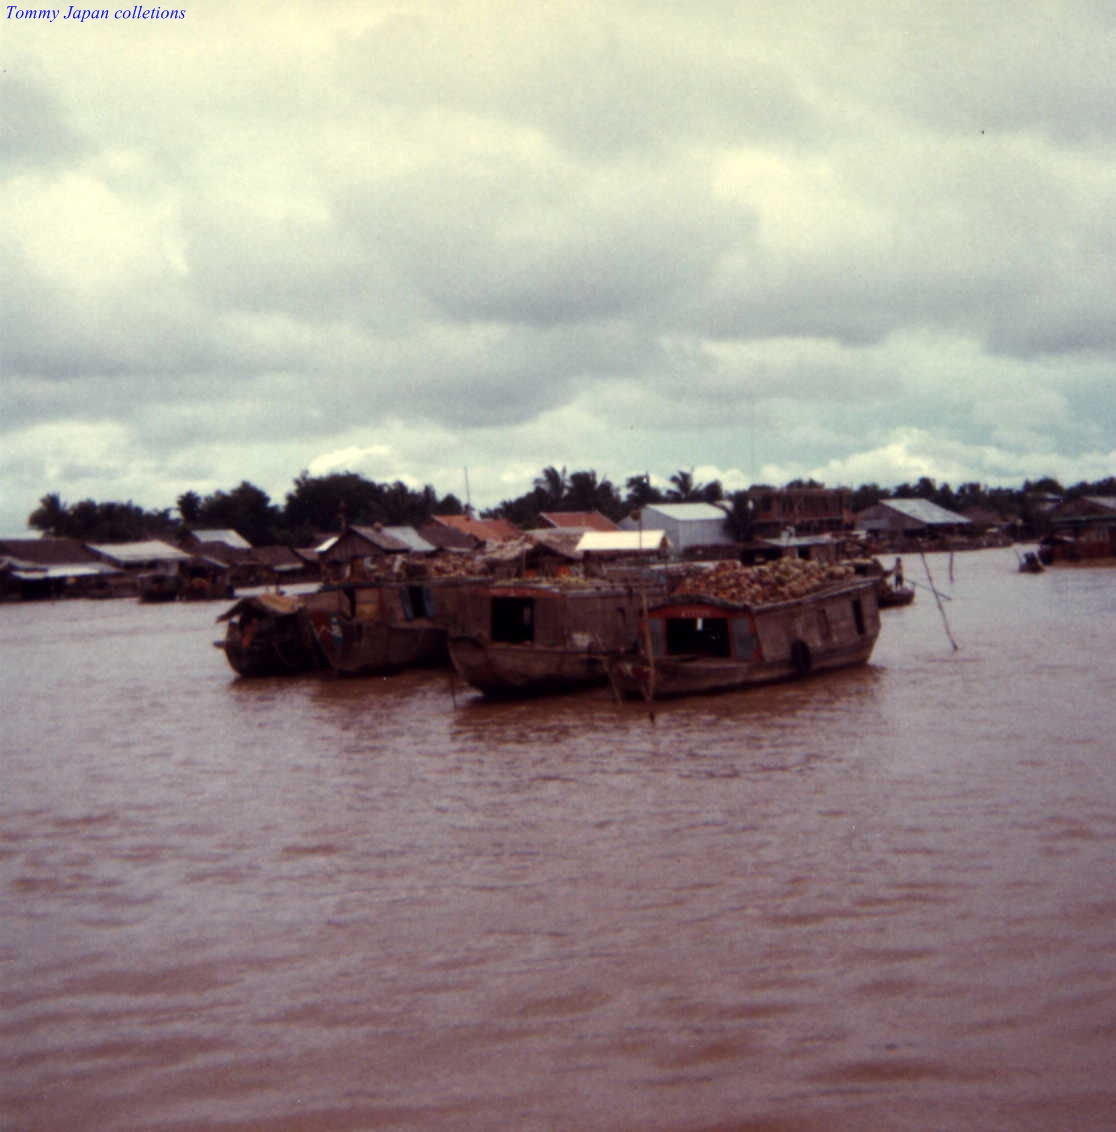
[
  {"x": 269, "y": 635},
  {"x": 694, "y": 644},
  {"x": 369, "y": 648},
  {"x": 889, "y": 597},
  {"x": 633, "y": 677},
  {"x": 510, "y": 670},
  {"x": 276, "y": 647}
]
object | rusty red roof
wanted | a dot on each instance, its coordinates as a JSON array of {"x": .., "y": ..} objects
[
  {"x": 579, "y": 520},
  {"x": 487, "y": 530}
]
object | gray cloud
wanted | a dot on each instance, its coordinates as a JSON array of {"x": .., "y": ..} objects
[
  {"x": 34, "y": 132},
  {"x": 854, "y": 243}
]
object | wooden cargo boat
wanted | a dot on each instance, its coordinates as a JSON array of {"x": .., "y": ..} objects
[
  {"x": 529, "y": 638},
  {"x": 355, "y": 629},
  {"x": 694, "y": 643},
  {"x": 269, "y": 635},
  {"x": 376, "y": 628}
]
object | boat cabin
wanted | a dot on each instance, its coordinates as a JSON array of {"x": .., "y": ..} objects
[
  {"x": 710, "y": 628},
  {"x": 603, "y": 617}
]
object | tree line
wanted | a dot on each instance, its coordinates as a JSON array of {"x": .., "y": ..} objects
[{"x": 316, "y": 505}]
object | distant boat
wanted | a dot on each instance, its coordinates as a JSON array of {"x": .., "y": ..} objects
[
  {"x": 1030, "y": 564},
  {"x": 888, "y": 596},
  {"x": 158, "y": 586},
  {"x": 694, "y": 643},
  {"x": 890, "y": 590}
]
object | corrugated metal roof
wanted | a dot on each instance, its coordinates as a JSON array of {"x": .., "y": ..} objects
[
  {"x": 72, "y": 570},
  {"x": 135, "y": 553},
  {"x": 1107, "y": 502},
  {"x": 226, "y": 535},
  {"x": 645, "y": 540},
  {"x": 683, "y": 512},
  {"x": 378, "y": 536},
  {"x": 412, "y": 538},
  {"x": 924, "y": 511}
]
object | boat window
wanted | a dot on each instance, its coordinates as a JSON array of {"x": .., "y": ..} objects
[
  {"x": 513, "y": 619},
  {"x": 744, "y": 640},
  {"x": 700, "y": 636},
  {"x": 858, "y": 616},
  {"x": 417, "y": 602},
  {"x": 825, "y": 630}
]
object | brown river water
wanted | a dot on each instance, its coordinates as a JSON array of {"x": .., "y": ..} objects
[{"x": 878, "y": 899}]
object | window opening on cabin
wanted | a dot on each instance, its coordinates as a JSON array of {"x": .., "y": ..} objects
[
  {"x": 513, "y": 619},
  {"x": 858, "y": 616},
  {"x": 698, "y": 636},
  {"x": 825, "y": 630},
  {"x": 417, "y": 602},
  {"x": 745, "y": 642}
]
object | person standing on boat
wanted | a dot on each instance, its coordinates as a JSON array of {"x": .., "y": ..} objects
[{"x": 897, "y": 573}]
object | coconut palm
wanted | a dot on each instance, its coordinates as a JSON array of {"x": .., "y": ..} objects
[
  {"x": 684, "y": 490},
  {"x": 553, "y": 485}
]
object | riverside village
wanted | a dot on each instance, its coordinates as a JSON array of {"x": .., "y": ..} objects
[{"x": 668, "y": 598}]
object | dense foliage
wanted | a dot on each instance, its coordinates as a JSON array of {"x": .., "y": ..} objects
[
  {"x": 320, "y": 504},
  {"x": 315, "y": 505}
]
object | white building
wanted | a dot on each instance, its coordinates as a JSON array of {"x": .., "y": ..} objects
[{"x": 686, "y": 525}]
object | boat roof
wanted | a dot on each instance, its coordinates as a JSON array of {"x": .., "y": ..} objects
[{"x": 278, "y": 604}]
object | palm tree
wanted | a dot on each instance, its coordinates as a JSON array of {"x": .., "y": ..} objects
[
  {"x": 684, "y": 490},
  {"x": 588, "y": 492},
  {"x": 641, "y": 492},
  {"x": 553, "y": 484}
]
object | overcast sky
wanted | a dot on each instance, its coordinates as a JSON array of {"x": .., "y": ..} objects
[{"x": 858, "y": 241}]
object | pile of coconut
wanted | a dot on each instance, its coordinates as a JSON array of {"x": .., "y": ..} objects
[{"x": 782, "y": 580}]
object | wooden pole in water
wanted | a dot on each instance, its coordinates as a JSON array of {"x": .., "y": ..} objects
[
  {"x": 649, "y": 691},
  {"x": 937, "y": 598}
]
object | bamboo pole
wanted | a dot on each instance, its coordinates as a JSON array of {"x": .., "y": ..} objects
[{"x": 937, "y": 598}]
